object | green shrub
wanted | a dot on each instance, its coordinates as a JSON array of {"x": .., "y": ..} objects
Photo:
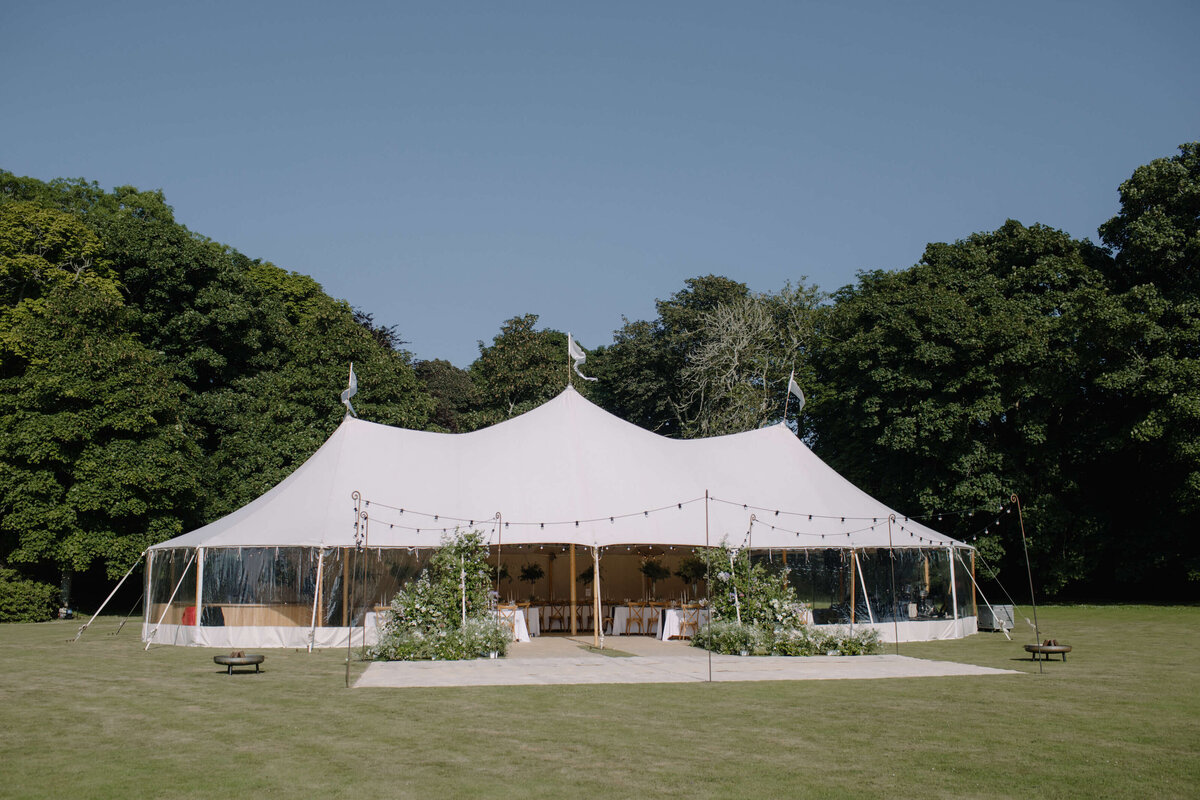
[
  {"x": 730, "y": 637},
  {"x": 478, "y": 638},
  {"x": 427, "y": 615},
  {"x": 23, "y": 600}
]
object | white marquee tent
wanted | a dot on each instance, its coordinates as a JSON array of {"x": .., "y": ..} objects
[{"x": 566, "y": 473}]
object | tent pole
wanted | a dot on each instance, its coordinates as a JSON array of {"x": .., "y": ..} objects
[
  {"x": 574, "y": 596},
  {"x": 598, "y": 627},
  {"x": 866, "y": 598},
  {"x": 853, "y": 561},
  {"x": 975, "y": 587},
  {"x": 87, "y": 624},
  {"x": 345, "y": 585},
  {"x": 974, "y": 601},
  {"x": 707, "y": 582},
  {"x": 170, "y": 600},
  {"x": 954, "y": 589},
  {"x": 1037, "y": 631},
  {"x": 146, "y": 590},
  {"x": 895, "y": 599},
  {"x": 197, "y": 634},
  {"x": 312, "y": 628}
]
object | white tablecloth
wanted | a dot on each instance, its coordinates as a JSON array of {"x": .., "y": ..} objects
[
  {"x": 584, "y": 620},
  {"x": 520, "y": 630},
  {"x": 650, "y": 617},
  {"x": 671, "y": 618},
  {"x": 533, "y": 620}
]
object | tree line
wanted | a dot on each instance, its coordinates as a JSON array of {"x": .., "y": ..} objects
[{"x": 154, "y": 380}]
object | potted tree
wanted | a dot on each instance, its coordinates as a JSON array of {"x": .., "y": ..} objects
[
  {"x": 531, "y": 573},
  {"x": 654, "y": 571},
  {"x": 691, "y": 570}
]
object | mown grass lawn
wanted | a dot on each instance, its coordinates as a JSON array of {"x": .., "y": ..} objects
[{"x": 101, "y": 718}]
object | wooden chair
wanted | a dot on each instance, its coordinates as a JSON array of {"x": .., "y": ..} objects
[
  {"x": 582, "y": 617},
  {"x": 637, "y": 616},
  {"x": 558, "y": 612},
  {"x": 689, "y": 617},
  {"x": 507, "y": 613}
]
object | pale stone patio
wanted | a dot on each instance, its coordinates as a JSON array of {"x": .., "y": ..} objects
[{"x": 551, "y": 660}]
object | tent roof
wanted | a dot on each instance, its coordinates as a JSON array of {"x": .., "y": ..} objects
[{"x": 565, "y": 472}]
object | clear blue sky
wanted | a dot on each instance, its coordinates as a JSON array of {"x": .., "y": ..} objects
[{"x": 447, "y": 166}]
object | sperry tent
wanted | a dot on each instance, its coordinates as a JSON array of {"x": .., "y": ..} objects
[{"x": 566, "y": 473}]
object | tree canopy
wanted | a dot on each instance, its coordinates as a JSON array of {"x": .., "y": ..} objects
[{"x": 153, "y": 380}]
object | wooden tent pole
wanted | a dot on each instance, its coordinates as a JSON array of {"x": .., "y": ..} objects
[
  {"x": 598, "y": 628},
  {"x": 853, "y": 561},
  {"x": 574, "y": 597}
]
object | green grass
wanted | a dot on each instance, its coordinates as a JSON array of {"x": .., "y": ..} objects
[{"x": 101, "y": 718}]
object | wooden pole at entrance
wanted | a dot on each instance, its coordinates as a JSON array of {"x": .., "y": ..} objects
[
  {"x": 853, "y": 560},
  {"x": 574, "y": 598},
  {"x": 598, "y": 627}
]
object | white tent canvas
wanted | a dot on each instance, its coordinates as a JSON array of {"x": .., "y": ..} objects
[{"x": 567, "y": 472}]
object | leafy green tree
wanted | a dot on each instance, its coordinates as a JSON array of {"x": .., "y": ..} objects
[
  {"x": 735, "y": 376},
  {"x": 265, "y": 423},
  {"x": 41, "y": 248},
  {"x": 1153, "y": 377},
  {"x": 965, "y": 378},
  {"x": 451, "y": 390},
  {"x": 639, "y": 374},
  {"x": 521, "y": 369},
  {"x": 95, "y": 464},
  {"x": 231, "y": 367}
]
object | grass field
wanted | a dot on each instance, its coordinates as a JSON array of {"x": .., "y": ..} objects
[{"x": 101, "y": 718}]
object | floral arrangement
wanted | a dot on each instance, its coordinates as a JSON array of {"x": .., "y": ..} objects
[
  {"x": 444, "y": 613},
  {"x": 757, "y": 612}
]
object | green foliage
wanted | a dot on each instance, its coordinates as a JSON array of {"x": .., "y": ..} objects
[
  {"x": 520, "y": 370},
  {"x": 1152, "y": 378},
  {"x": 638, "y": 375},
  {"x": 153, "y": 379},
  {"x": 23, "y": 600},
  {"x": 451, "y": 390},
  {"x": 654, "y": 570},
  {"x": 427, "y": 615},
  {"x": 531, "y": 573},
  {"x": 715, "y": 361},
  {"x": 692, "y": 569},
  {"x": 94, "y": 461},
  {"x": 763, "y": 597},
  {"x": 965, "y": 378},
  {"x": 731, "y": 637},
  {"x": 477, "y": 638}
]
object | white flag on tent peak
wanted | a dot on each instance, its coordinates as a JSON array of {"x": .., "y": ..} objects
[
  {"x": 577, "y": 355},
  {"x": 794, "y": 388},
  {"x": 351, "y": 390}
]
